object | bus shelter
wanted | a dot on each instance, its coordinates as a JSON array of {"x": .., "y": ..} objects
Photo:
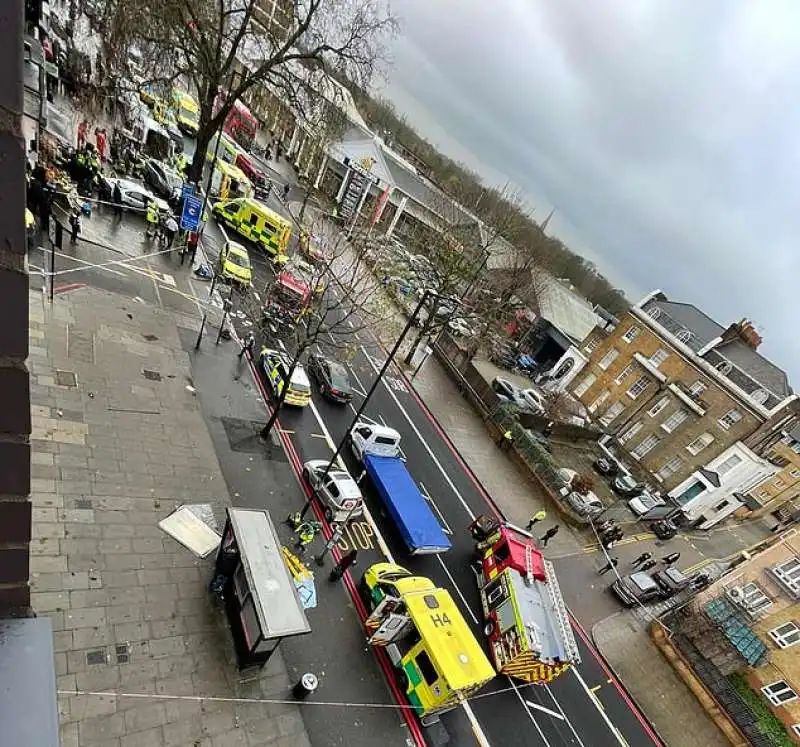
[{"x": 261, "y": 602}]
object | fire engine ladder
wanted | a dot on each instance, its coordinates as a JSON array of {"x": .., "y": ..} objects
[
  {"x": 562, "y": 617},
  {"x": 529, "y": 564}
]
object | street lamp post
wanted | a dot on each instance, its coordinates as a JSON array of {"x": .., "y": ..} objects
[{"x": 378, "y": 378}]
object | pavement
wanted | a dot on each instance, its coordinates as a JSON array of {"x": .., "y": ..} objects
[{"x": 118, "y": 442}]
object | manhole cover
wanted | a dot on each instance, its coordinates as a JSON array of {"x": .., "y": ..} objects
[
  {"x": 150, "y": 338},
  {"x": 123, "y": 655},
  {"x": 243, "y": 437},
  {"x": 66, "y": 378},
  {"x": 97, "y": 656},
  {"x": 151, "y": 375},
  {"x": 85, "y": 503}
]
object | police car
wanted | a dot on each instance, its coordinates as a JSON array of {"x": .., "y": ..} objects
[{"x": 276, "y": 365}]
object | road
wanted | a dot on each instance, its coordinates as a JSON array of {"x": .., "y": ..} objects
[{"x": 586, "y": 706}]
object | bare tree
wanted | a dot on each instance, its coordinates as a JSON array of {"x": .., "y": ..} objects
[
  {"x": 226, "y": 48},
  {"x": 342, "y": 300}
]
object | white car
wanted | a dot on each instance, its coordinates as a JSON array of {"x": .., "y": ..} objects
[
  {"x": 644, "y": 503},
  {"x": 566, "y": 476},
  {"x": 338, "y": 491},
  {"x": 585, "y": 505},
  {"x": 136, "y": 196},
  {"x": 534, "y": 400}
]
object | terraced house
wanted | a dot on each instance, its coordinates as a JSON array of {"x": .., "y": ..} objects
[{"x": 676, "y": 389}]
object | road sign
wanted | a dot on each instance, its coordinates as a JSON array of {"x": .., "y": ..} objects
[
  {"x": 190, "y": 215},
  {"x": 187, "y": 190}
]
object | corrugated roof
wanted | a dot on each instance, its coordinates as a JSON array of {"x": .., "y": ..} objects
[{"x": 567, "y": 311}]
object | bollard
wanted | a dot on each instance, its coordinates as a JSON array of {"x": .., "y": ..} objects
[{"x": 307, "y": 684}]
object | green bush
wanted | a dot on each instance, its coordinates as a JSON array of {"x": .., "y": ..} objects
[{"x": 768, "y": 723}]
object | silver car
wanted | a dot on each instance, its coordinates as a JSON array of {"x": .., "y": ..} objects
[{"x": 338, "y": 492}]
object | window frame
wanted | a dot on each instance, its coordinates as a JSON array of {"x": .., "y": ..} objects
[
  {"x": 608, "y": 359},
  {"x": 725, "y": 424},
  {"x": 669, "y": 467},
  {"x": 631, "y": 333},
  {"x": 583, "y": 386},
  {"x": 630, "y": 432},
  {"x": 661, "y": 354},
  {"x": 789, "y": 579},
  {"x": 659, "y": 406},
  {"x": 624, "y": 373},
  {"x": 680, "y": 416},
  {"x": 695, "y": 452},
  {"x": 636, "y": 454},
  {"x": 780, "y": 639},
  {"x": 768, "y": 693},
  {"x": 607, "y": 417},
  {"x": 764, "y": 601},
  {"x": 598, "y": 400},
  {"x": 693, "y": 389}
]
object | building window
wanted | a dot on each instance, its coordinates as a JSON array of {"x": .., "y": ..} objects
[
  {"x": 645, "y": 447},
  {"x": 697, "y": 389},
  {"x": 763, "y": 494},
  {"x": 591, "y": 345},
  {"x": 724, "y": 367},
  {"x": 684, "y": 335},
  {"x": 638, "y": 387},
  {"x": 700, "y": 443},
  {"x": 721, "y": 505},
  {"x": 789, "y": 574},
  {"x": 608, "y": 358},
  {"x": 778, "y": 483},
  {"x": 658, "y": 407},
  {"x": 585, "y": 385},
  {"x": 611, "y": 413},
  {"x": 654, "y": 312},
  {"x": 730, "y": 418},
  {"x": 624, "y": 374},
  {"x": 779, "y": 693},
  {"x": 670, "y": 468},
  {"x": 674, "y": 420},
  {"x": 795, "y": 473},
  {"x": 754, "y": 600},
  {"x": 657, "y": 358},
  {"x": 602, "y": 397},
  {"x": 728, "y": 464},
  {"x": 631, "y": 334},
  {"x": 786, "y": 635},
  {"x": 760, "y": 396},
  {"x": 630, "y": 433}
]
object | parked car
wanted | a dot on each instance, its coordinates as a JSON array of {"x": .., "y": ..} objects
[
  {"x": 606, "y": 466},
  {"x": 585, "y": 505},
  {"x": 135, "y": 196},
  {"x": 626, "y": 486},
  {"x": 566, "y": 475},
  {"x": 671, "y": 581},
  {"x": 234, "y": 263},
  {"x": 337, "y": 491},
  {"x": 637, "y": 588},
  {"x": 644, "y": 502},
  {"x": 163, "y": 180},
  {"x": 534, "y": 400},
  {"x": 508, "y": 392},
  {"x": 331, "y": 377},
  {"x": 664, "y": 529}
]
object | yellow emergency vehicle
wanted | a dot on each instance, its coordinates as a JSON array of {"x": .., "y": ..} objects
[
  {"x": 425, "y": 636},
  {"x": 228, "y": 150},
  {"x": 187, "y": 112},
  {"x": 230, "y": 181},
  {"x": 234, "y": 263},
  {"x": 276, "y": 365},
  {"x": 255, "y": 221}
]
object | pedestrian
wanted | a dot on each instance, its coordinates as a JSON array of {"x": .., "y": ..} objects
[
  {"x": 612, "y": 563},
  {"x": 116, "y": 198},
  {"x": 548, "y": 430},
  {"x": 286, "y": 188},
  {"x": 647, "y": 565},
  {"x": 191, "y": 245},
  {"x": 152, "y": 219},
  {"x": 74, "y": 226},
  {"x": 642, "y": 558},
  {"x": 278, "y": 152},
  {"x": 347, "y": 560},
  {"x": 671, "y": 558},
  {"x": 548, "y": 535},
  {"x": 536, "y": 518},
  {"x": 605, "y": 525},
  {"x": 170, "y": 229},
  {"x": 247, "y": 345},
  {"x": 268, "y": 154},
  {"x": 505, "y": 441},
  {"x": 100, "y": 140},
  {"x": 83, "y": 131}
]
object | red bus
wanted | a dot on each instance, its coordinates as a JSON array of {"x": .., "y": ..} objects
[{"x": 241, "y": 125}]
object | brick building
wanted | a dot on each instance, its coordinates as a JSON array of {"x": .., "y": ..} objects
[
  {"x": 675, "y": 388},
  {"x": 747, "y": 623}
]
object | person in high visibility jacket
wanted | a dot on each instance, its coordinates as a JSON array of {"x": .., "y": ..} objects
[
  {"x": 152, "y": 219},
  {"x": 181, "y": 163}
]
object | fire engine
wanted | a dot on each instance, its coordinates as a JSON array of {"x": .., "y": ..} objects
[{"x": 526, "y": 620}]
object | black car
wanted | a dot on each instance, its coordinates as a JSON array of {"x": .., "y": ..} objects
[
  {"x": 626, "y": 486},
  {"x": 606, "y": 466},
  {"x": 331, "y": 377},
  {"x": 671, "y": 581},
  {"x": 664, "y": 529},
  {"x": 164, "y": 181}
]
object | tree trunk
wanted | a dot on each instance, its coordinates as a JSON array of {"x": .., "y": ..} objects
[
  {"x": 426, "y": 328},
  {"x": 204, "y": 137}
]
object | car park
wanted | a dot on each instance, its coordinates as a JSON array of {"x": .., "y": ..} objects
[
  {"x": 664, "y": 529},
  {"x": 671, "y": 581},
  {"x": 625, "y": 486},
  {"x": 234, "y": 263},
  {"x": 331, "y": 378},
  {"x": 637, "y": 588},
  {"x": 337, "y": 491},
  {"x": 606, "y": 466},
  {"x": 644, "y": 502}
]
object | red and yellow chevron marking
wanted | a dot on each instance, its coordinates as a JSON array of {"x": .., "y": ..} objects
[{"x": 527, "y": 668}]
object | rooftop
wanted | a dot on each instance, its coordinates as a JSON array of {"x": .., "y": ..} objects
[{"x": 568, "y": 312}]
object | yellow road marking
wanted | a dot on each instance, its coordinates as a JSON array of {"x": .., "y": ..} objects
[
  {"x": 588, "y": 549},
  {"x": 318, "y": 435},
  {"x": 596, "y": 688}
]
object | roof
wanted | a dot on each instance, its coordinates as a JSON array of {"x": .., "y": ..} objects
[
  {"x": 518, "y": 550},
  {"x": 704, "y": 329},
  {"x": 456, "y": 654},
  {"x": 362, "y": 147},
  {"x": 568, "y": 312}
]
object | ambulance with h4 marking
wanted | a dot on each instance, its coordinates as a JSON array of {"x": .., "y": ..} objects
[
  {"x": 439, "y": 662},
  {"x": 527, "y": 624}
]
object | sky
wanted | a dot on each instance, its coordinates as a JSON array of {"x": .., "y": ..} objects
[{"x": 666, "y": 135}]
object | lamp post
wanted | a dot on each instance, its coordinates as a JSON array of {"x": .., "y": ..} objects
[{"x": 369, "y": 394}]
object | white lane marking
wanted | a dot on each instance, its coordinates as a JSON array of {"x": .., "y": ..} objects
[
  {"x": 358, "y": 381},
  {"x": 528, "y": 710},
  {"x": 544, "y": 710},
  {"x": 620, "y": 739},
  {"x": 458, "y": 591},
  {"x": 428, "y": 497},
  {"x": 89, "y": 265},
  {"x": 168, "y": 279},
  {"x": 381, "y": 542},
  {"x": 561, "y": 711},
  {"x": 477, "y": 730},
  {"x": 349, "y": 323},
  {"x": 424, "y": 443}
]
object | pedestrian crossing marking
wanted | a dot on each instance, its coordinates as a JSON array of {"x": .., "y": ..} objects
[{"x": 168, "y": 279}]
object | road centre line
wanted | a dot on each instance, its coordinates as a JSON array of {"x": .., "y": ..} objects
[
  {"x": 458, "y": 591},
  {"x": 528, "y": 710},
  {"x": 424, "y": 443},
  {"x": 564, "y": 715},
  {"x": 425, "y": 492},
  {"x": 602, "y": 711}
]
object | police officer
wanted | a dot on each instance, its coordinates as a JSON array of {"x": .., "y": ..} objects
[{"x": 152, "y": 219}]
